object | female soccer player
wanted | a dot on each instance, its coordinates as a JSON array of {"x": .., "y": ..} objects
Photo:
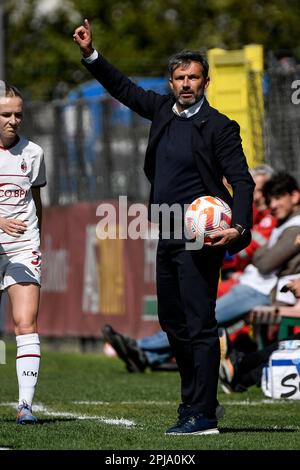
[{"x": 22, "y": 174}]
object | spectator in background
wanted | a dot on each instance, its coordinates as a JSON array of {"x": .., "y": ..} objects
[
  {"x": 260, "y": 174},
  {"x": 294, "y": 285},
  {"x": 263, "y": 224},
  {"x": 278, "y": 259},
  {"x": 238, "y": 370}
]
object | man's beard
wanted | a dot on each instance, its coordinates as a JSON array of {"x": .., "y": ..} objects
[{"x": 188, "y": 102}]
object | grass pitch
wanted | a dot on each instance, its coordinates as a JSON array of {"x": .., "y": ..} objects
[{"x": 89, "y": 401}]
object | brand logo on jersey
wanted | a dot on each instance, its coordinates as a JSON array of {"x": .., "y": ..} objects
[
  {"x": 13, "y": 190},
  {"x": 23, "y": 166}
]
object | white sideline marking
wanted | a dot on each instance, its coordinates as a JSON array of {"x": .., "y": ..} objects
[
  {"x": 137, "y": 402},
  {"x": 43, "y": 409},
  {"x": 258, "y": 402},
  {"x": 91, "y": 402},
  {"x": 164, "y": 403}
]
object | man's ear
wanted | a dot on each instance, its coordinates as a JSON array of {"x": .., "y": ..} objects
[
  {"x": 171, "y": 83},
  {"x": 207, "y": 83}
]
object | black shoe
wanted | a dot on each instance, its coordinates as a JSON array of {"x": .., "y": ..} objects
[
  {"x": 126, "y": 349},
  {"x": 194, "y": 425}
]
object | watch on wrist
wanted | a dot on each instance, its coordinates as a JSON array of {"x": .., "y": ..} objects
[{"x": 240, "y": 229}]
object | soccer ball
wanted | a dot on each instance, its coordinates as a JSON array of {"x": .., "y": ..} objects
[{"x": 205, "y": 216}]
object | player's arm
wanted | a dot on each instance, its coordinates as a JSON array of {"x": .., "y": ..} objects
[
  {"x": 13, "y": 227},
  {"x": 36, "y": 194},
  {"x": 268, "y": 259}
]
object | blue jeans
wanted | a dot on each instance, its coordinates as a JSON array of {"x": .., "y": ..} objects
[
  {"x": 156, "y": 348},
  {"x": 239, "y": 301}
]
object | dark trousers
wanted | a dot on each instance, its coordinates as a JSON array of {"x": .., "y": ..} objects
[{"x": 187, "y": 283}]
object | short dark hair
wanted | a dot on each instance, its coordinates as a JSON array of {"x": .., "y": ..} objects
[
  {"x": 8, "y": 91},
  {"x": 279, "y": 184},
  {"x": 184, "y": 58}
]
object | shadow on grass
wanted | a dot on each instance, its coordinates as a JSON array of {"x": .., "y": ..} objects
[{"x": 274, "y": 430}]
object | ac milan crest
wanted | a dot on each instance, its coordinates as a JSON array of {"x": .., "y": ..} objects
[{"x": 23, "y": 166}]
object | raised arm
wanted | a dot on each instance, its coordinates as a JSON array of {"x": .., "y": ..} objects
[{"x": 143, "y": 102}]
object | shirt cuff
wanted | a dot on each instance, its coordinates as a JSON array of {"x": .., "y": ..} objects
[{"x": 91, "y": 58}]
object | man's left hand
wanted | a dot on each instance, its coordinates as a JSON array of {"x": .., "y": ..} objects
[{"x": 224, "y": 237}]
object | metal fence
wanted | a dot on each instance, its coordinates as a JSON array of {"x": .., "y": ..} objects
[
  {"x": 95, "y": 149},
  {"x": 282, "y": 121}
]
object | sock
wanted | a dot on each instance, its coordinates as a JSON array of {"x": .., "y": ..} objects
[{"x": 27, "y": 364}]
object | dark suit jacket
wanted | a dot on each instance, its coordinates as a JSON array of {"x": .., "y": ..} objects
[{"x": 215, "y": 138}]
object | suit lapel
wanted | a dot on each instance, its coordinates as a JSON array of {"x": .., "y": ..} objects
[{"x": 166, "y": 116}]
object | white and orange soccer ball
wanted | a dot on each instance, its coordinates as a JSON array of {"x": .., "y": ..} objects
[{"x": 206, "y": 216}]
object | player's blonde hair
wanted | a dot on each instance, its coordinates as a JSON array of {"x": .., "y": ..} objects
[{"x": 8, "y": 91}]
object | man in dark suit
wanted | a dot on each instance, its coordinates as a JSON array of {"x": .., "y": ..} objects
[{"x": 191, "y": 147}]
